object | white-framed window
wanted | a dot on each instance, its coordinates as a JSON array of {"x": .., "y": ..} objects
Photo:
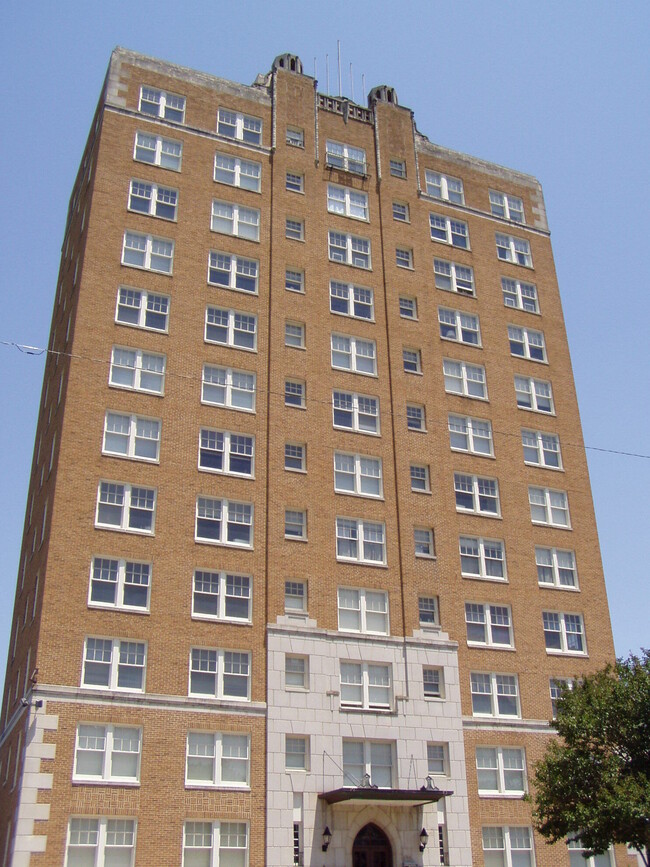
[
  {"x": 465, "y": 379},
  {"x": 349, "y": 249},
  {"x": 526, "y": 343},
  {"x": 444, "y": 187},
  {"x": 459, "y": 326},
  {"x": 563, "y": 633},
  {"x": 147, "y": 252},
  {"x": 361, "y": 541},
  {"x": 411, "y": 360},
  {"x": 295, "y": 457},
  {"x": 557, "y": 685},
  {"x": 107, "y": 753},
  {"x": 508, "y": 847},
  {"x": 433, "y": 681},
  {"x": 137, "y": 370},
  {"x": 295, "y": 137},
  {"x": 364, "y": 611},
  {"x": 116, "y": 583},
  {"x": 295, "y": 524},
  {"x": 230, "y": 328},
  {"x": 294, "y": 281},
  {"x": 294, "y": 183},
  {"x": 222, "y": 386},
  {"x": 424, "y": 542},
  {"x": 217, "y": 759},
  {"x": 415, "y": 417},
  {"x": 541, "y": 449},
  {"x": 215, "y": 843},
  {"x": 449, "y": 231},
  {"x": 488, "y": 625},
  {"x": 576, "y": 859},
  {"x": 241, "y": 127},
  {"x": 237, "y": 172},
  {"x": 296, "y": 672},
  {"x": 476, "y": 494},
  {"x": 296, "y": 753},
  {"x": 153, "y": 200},
  {"x": 408, "y": 307},
  {"x": 419, "y": 474},
  {"x": 438, "y": 759},
  {"x": 125, "y": 507},
  {"x": 349, "y": 300},
  {"x": 520, "y": 295},
  {"x": 142, "y": 309},
  {"x": 354, "y": 354},
  {"x": 295, "y": 393},
  {"x": 467, "y": 434},
  {"x": 224, "y": 522},
  {"x": 357, "y": 412},
  {"x": 404, "y": 257},
  {"x": 158, "y": 151},
  {"x": 233, "y": 272},
  {"x": 365, "y": 685},
  {"x": 452, "y": 277},
  {"x": 295, "y": 597},
  {"x": 294, "y": 229},
  {"x": 494, "y": 695},
  {"x": 428, "y": 611},
  {"x": 222, "y": 451},
  {"x": 534, "y": 394},
  {"x": 161, "y": 103},
  {"x": 220, "y": 673},
  {"x": 372, "y": 758},
  {"x": 131, "y": 436},
  {"x": 221, "y": 596},
  {"x": 113, "y": 663},
  {"x": 345, "y": 157},
  {"x": 508, "y": 207},
  {"x": 401, "y": 212},
  {"x": 347, "y": 202},
  {"x": 397, "y": 168},
  {"x": 100, "y": 840},
  {"x": 549, "y": 507},
  {"x": 516, "y": 250},
  {"x": 556, "y": 568},
  {"x": 357, "y": 474},
  {"x": 229, "y": 218},
  {"x": 501, "y": 771},
  {"x": 482, "y": 558}
]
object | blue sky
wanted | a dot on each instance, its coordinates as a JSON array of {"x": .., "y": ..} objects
[{"x": 558, "y": 89}]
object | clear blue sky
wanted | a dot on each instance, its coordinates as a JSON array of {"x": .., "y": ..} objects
[{"x": 557, "y": 88}]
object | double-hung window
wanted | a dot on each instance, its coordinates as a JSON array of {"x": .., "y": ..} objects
[
  {"x": 237, "y": 172},
  {"x": 500, "y": 771},
  {"x": 233, "y": 272},
  {"x": 452, "y": 277},
  {"x": 296, "y": 753},
  {"x": 232, "y": 219},
  {"x": 449, "y": 231},
  {"x": 295, "y": 524},
  {"x": 408, "y": 307},
  {"x": 397, "y": 168},
  {"x": 217, "y": 759},
  {"x": 349, "y": 249},
  {"x": 520, "y": 295},
  {"x": 294, "y": 229},
  {"x": 556, "y": 568},
  {"x": 464, "y": 379},
  {"x": 488, "y": 625},
  {"x": 153, "y": 200},
  {"x": 294, "y": 281},
  {"x": 295, "y": 457},
  {"x": 534, "y": 394},
  {"x": 401, "y": 212},
  {"x": 428, "y": 611},
  {"x": 121, "y": 584},
  {"x": 112, "y": 663},
  {"x": 508, "y": 847},
  {"x": 515, "y": 250},
  {"x": 423, "y": 542},
  {"x": 125, "y": 507},
  {"x": 508, "y": 207},
  {"x": 459, "y": 326},
  {"x": 372, "y": 759},
  {"x": 349, "y": 300},
  {"x": 364, "y": 611},
  {"x": 295, "y": 597},
  {"x": 411, "y": 360},
  {"x": 494, "y": 695},
  {"x": 241, "y": 127},
  {"x": 230, "y": 328},
  {"x": 131, "y": 436},
  {"x": 482, "y": 558},
  {"x": 354, "y": 354},
  {"x": 404, "y": 257},
  {"x": 224, "y": 522},
  {"x": 137, "y": 370},
  {"x": 467, "y": 434},
  {"x": 158, "y": 151},
  {"x": 160, "y": 103},
  {"x": 294, "y": 183},
  {"x": 147, "y": 252},
  {"x": 221, "y": 596},
  {"x": 295, "y": 137},
  {"x": 365, "y": 685},
  {"x": 296, "y": 672},
  {"x": 295, "y": 393},
  {"x": 416, "y": 417},
  {"x": 557, "y": 685},
  {"x": 541, "y": 449},
  {"x": 107, "y": 753},
  {"x": 549, "y": 507},
  {"x": 222, "y": 451},
  {"x": 222, "y": 386},
  {"x": 444, "y": 187},
  {"x": 361, "y": 541},
  {"x": 563, "y": 633},
  {"x": 357, "y": 474},
  {"x": 356, "y": 412},
  {"x": 576, "y": 859},
  {"x": 345, "y": 157},
  {"x": 526, "y": 343},
  {"x": 347, "y": 202},
  {"x": 220, "y": 673},
  {"x": 212, "y": 843},
  {"x": 438, "y": 759},
  {"x": 419, "y": 474},
  {"x": 433, "y": 682},
  {"x": 100, "y": 840},
  {"x": 142, "y": 309},
  {"x": 476, "y": 494}
]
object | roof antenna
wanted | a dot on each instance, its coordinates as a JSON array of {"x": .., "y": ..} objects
[
  {"x": 327, "y": 69},
  {"x": 351, "y": 83},
  {"x": 363, "y": 83},
  {"x": 338, "y": 48}
]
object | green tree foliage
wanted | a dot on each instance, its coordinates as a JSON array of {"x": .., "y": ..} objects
[{"x": 594, "y": 781}]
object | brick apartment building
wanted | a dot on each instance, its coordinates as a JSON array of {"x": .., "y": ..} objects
[{"x": 310, "y": 544}]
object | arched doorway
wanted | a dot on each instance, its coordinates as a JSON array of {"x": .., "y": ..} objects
[{"x": 371, "y": 848}]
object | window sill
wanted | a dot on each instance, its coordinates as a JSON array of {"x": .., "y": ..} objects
[
  {"x": 420, "y": 491},
  {"x": 484, "y": 578},
  {"x": 478, "y": 514},
  {"x": 226, "y": 406},
  {"x": 97, "y": 606},
  {"x": 526, "y": 358},
  {"x": 508, "y": 796},
  {"x": 568, "y": 587},
  {"x": 124, "y": 530},
  {"x": 544, "y": 467},
  {"x": 136, "y": 390},
  {"x": 295, "y": 470},
  {"x": 379, "y": 497},
  {"x": 364, "y": 563},
  {"x": 121, "y": 457},
  {"x": 475, "y": 645},
  {"x": 228, "y": 787},
  {"x": 474, "y": 454},
  {"x": 572, "y": 653},
  {"x": 127, "y": 784},
  {"x": 229, "y": 346},
  {"x": 224, "y": 473},
  {"x": 153, "y": 216},
  {"x": 295, "y": 538},
  {"x": 426, "y": 557},
  {"x": 552, "y": 526},
  {"x": 200, "y": 541},
  {"x": 208, "y": 618}
]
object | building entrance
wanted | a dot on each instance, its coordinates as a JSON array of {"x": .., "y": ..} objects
[{"x": 371, "y": 848}]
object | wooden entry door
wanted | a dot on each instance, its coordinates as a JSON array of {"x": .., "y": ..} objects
[{"x": 371, "y": 848}]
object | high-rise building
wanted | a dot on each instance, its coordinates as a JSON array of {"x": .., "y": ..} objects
[{"x": 309, "y": 547}]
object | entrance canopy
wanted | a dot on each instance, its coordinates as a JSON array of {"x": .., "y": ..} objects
[{"x": 388, "y": 797}]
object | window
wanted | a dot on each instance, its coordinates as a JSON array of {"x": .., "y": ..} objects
[
  {"x": 220, "y": 673},
  {"x": 365, "y": 685},
  {"x": 557, "y": 686},
  {"x": 357, "y": 474},
  {"x": 433, "y": 682},
  {"x": 232, "y": 272},
  {"x": 294, "y": 281},
  {"x": 295, "y": 137},
  {"x": 294, "y": 183},
  {"x": 354, "y": 354},
  {"x": 515, "y": 250},
  {"x": 522, "y": 296},
  {"x": 541, "y": 449},
  {"x": 437, "y": 761},
  {"x": 107, "y": 753},
  {"x": 222, "y": 386},
  {"x": 226, "y": 452},
  {"x": 100, "y": 841},
  {"x": 294, "y": 393},
  {"x": 361, "y": 541},
  {"x": 224, "y": 522},
  {"x": 237, "y": 172},
  {"x": 159, "y": 103},
  {"x": 576, "y": 859},
  {"x": 125, "y": 507},
  {"x": 444, "y": 187},
  {"x": 232, "y": 124},
  {"x": 221, "y": 596},
  {"x": 217, "y": 759},
  {"x": 404, "y": 257},
  {"x": 556, "y": 568},
  {"x": 119, "y": 584},
  {"x": 412, "y": 360},
  {"x": 295, "y": 524},
  {"x": 295, "y": 457},
  {"x": 397, "y": 168},
  {"x": 549, "y": 507},
  {"x": 509, "y": 207},
  {"x": 294, "y": 229},
  {"x": 224, "y": 843},
  {"x": 534, "y": 394},
  {"x": 296, "y": 755},
  {"x": 428, "y": 611},
  {"x": 349, "y": 300},
  {"x": 131, "y": 436},
  {"x": 500, "y": 771},
  {"x": 363, "y": 611},
  {"x": 423, "y": 540},
  {"x": 415, "y": 417},
  {"x": 295, "y": 597},
  {"x": 449, "y": 231},
  {"x": 526, "y": 343},
  {"x": 349, "y": 249},
  {"x": 294, "y": 334},
  {"x": 488, "y": 625},
  {"x": 142, "y": 309},
  {"x": 476, "y": 494},
  {"x": 296, "y": 672},
  {"x": 355, "y": 412},
  {"x": 563, "y": 633},
  {"x": 147, "y": 252},
  {"x": 154, "y": 200},
  {"x": 347, "y": 202},
  {"x": 158, "y": 151},
  {"x": 508, "y": 847},
  {"x": 408, "y": 307},
  {"x": 346, "y": 157},
  {"x": 232, "y": 219},
  {"x": 420, "y": 478},
  {"x": 459, "y": 326},
  {"x": 401, "y": 212},
  {"x": 110, "y": 663},
  {"x": 137, "y": 370},
  {"x": 482, "y": 558},
  {"x": 468, "y": 434},
  {"x": 371, "y": 758},
  {"x": 494, "y": 695},
  {"x": 465, "y": 379},
  {"x": 452, "y": 277}
]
